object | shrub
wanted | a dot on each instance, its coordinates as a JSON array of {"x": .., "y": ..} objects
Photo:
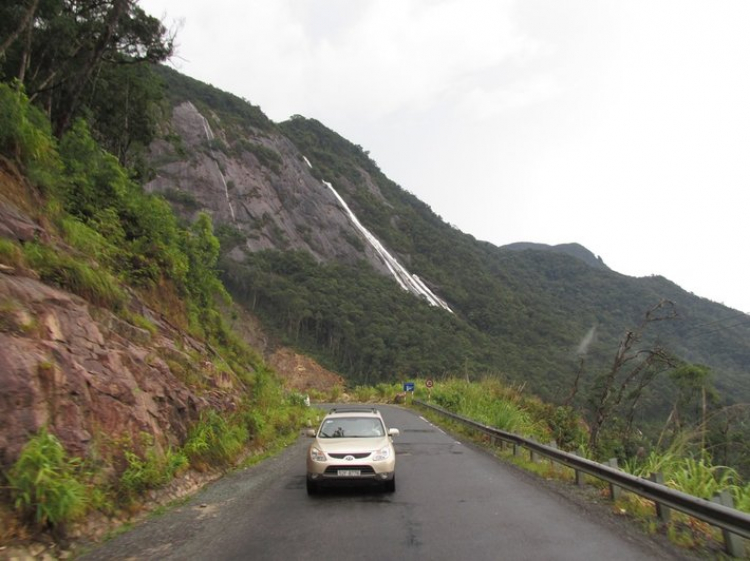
[
  {"x": 10, "y": 253},
  {"x": 184, "y": 198},
  {"x": 214, "y": 440},
  {"x": 43, "y": 483},
  {"x": 95, "y": 285},
  {"x": 143, "y": 322},
  {"x": 364, "y": 394},
  {"x": 700, "y": 478},
  {"x": 742, "y": 498},
  {"x": 493, "y": 404},
  {"x": 84, "y": 238},
  {"x": 152, "y": 471},
  {"x": 25, "y": 134}
]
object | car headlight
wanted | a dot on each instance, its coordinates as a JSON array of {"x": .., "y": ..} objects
[
  {"x": 317, "y": 455},
  {"x": 382, "y": 454}
]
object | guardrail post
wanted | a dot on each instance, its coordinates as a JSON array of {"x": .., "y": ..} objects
[
  {"x": 664, "y": 513},
  {"x": 580, "y": 476},
  {"x": 532, "y": 453},
  {"x": 553, "y": 465},
  {"x": 733, "y": 543},
  {"x": 516, "y": 449},
  {"x": 614, "y": 490}
]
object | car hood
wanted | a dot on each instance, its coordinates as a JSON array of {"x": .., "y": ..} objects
[{"x": 335, "y": 445}]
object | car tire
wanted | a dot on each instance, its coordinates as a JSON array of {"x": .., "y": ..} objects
[
  {"x": 390, "y": 486},
  {"x": 312, "y": 488}
]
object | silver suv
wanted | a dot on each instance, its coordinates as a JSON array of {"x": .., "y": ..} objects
[{"x": 352, "y": 445}]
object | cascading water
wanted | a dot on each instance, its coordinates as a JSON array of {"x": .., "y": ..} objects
[
  {"x": 210, "y": 137},
  {"x": 408, "y": 282}
]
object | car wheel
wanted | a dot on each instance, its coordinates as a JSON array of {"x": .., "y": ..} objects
[
  {"x": 390, "y": 486},
  {"x": 312, "y": 488}
]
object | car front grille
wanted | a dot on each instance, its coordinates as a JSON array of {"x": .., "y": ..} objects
[
  {"x": 357, "y": 456},
  {"x": 364, "y": 470}
]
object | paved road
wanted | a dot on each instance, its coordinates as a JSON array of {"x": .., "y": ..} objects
[{"x": 452, "y": 502}]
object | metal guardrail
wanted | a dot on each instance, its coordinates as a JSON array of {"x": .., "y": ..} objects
[{"x": 726, "y": 518}]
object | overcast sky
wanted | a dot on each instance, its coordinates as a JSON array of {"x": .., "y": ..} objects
[{"x": 621, "y": 125}]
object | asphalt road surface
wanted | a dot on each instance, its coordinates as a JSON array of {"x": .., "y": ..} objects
[{"x": 452, "y": 501}]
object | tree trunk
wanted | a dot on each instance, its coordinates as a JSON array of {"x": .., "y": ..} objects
[
  {"x": 92, "y": 59},
  {"x": 25, "y": 23}
]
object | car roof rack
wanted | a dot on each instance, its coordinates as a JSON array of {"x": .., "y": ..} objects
[{"x": 353, "y": 410}]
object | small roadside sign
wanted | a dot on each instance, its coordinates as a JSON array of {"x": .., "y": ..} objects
[
  {"x": 408, "y": 386},
  {"x": 428, "y": 383}
]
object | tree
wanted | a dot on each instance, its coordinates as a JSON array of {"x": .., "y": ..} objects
[
  {"x": 56, "y": 49},
  {"x": 695, "y": 391},
  {"x": 631, "y": 367},
  {"x": 17, "y": 19}
]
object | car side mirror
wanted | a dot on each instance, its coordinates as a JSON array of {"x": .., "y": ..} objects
[
  {"x": 310, "y": 433},
  {"x": 393, "y": 432}
]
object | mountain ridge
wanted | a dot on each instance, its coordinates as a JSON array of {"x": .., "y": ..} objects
[
  {"x": 574, "y": 249},
  {"x": 521, "y": 310}
]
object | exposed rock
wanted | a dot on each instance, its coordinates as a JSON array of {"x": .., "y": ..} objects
[
  {"x": 87, "y": 376},
  {"x": 275, "y": 201},
  {"x": 16, "y": 225}
]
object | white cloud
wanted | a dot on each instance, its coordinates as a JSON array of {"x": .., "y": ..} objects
[
  {"x": 382, "y": 57},
  {"x": 481, "y": 103}
]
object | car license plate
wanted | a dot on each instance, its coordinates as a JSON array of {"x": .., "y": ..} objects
[{"x": 349, "y": 473}]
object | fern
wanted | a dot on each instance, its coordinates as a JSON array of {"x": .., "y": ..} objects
[{"x": 43, "y": 483}]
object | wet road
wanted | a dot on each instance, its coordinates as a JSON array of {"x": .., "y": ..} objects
[{"x": 452, "y": 502}]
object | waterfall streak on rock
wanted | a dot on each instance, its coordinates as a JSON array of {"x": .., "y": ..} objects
[
  {"x": 210, "y": 137},
  {"x": 408, "y": 282}
]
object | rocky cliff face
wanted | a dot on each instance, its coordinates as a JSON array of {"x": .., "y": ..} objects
[
  {"x": 90, "y": 376},
  {"x": 84, "y": 372},
  {"x": 256, "y": 182}
]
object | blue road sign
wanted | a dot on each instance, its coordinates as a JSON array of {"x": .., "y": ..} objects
[{"x": 408, "y": 386}]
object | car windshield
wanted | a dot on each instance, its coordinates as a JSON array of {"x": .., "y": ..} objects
[{"x": 352, "y": 427}]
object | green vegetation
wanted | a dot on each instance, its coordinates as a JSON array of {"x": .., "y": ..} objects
[
  {"x": 87, "y": 60},
  {"x": 152, "y": 471},
  {"x": 537, "y": 305},
  {"x": 495, "y": 404},
  {"x": 10, "y": 253},
  {"x": 215, "y": 440},
  {"x": 266, "y": 156},
  {"x": 232, "y": 110},
  {"x": 322, "y": 308},
  {"x": 43, "y": 483},
  {"x": 186, "y": 200},
  {"x": 110, "y": 242},
  {"x": 97, "y": 286}
]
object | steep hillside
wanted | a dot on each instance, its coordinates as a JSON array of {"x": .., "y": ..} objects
[
  {"x": 541, "y": 301},
  {"x": 228, "y": 159},
  {"x": 119, "y": 369},
  {"x": 294, "y": 256}
]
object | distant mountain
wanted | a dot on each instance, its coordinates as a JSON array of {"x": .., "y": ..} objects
[
  {"x": 574, "y": 249},
  {"x": 295, "y": 255}
]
